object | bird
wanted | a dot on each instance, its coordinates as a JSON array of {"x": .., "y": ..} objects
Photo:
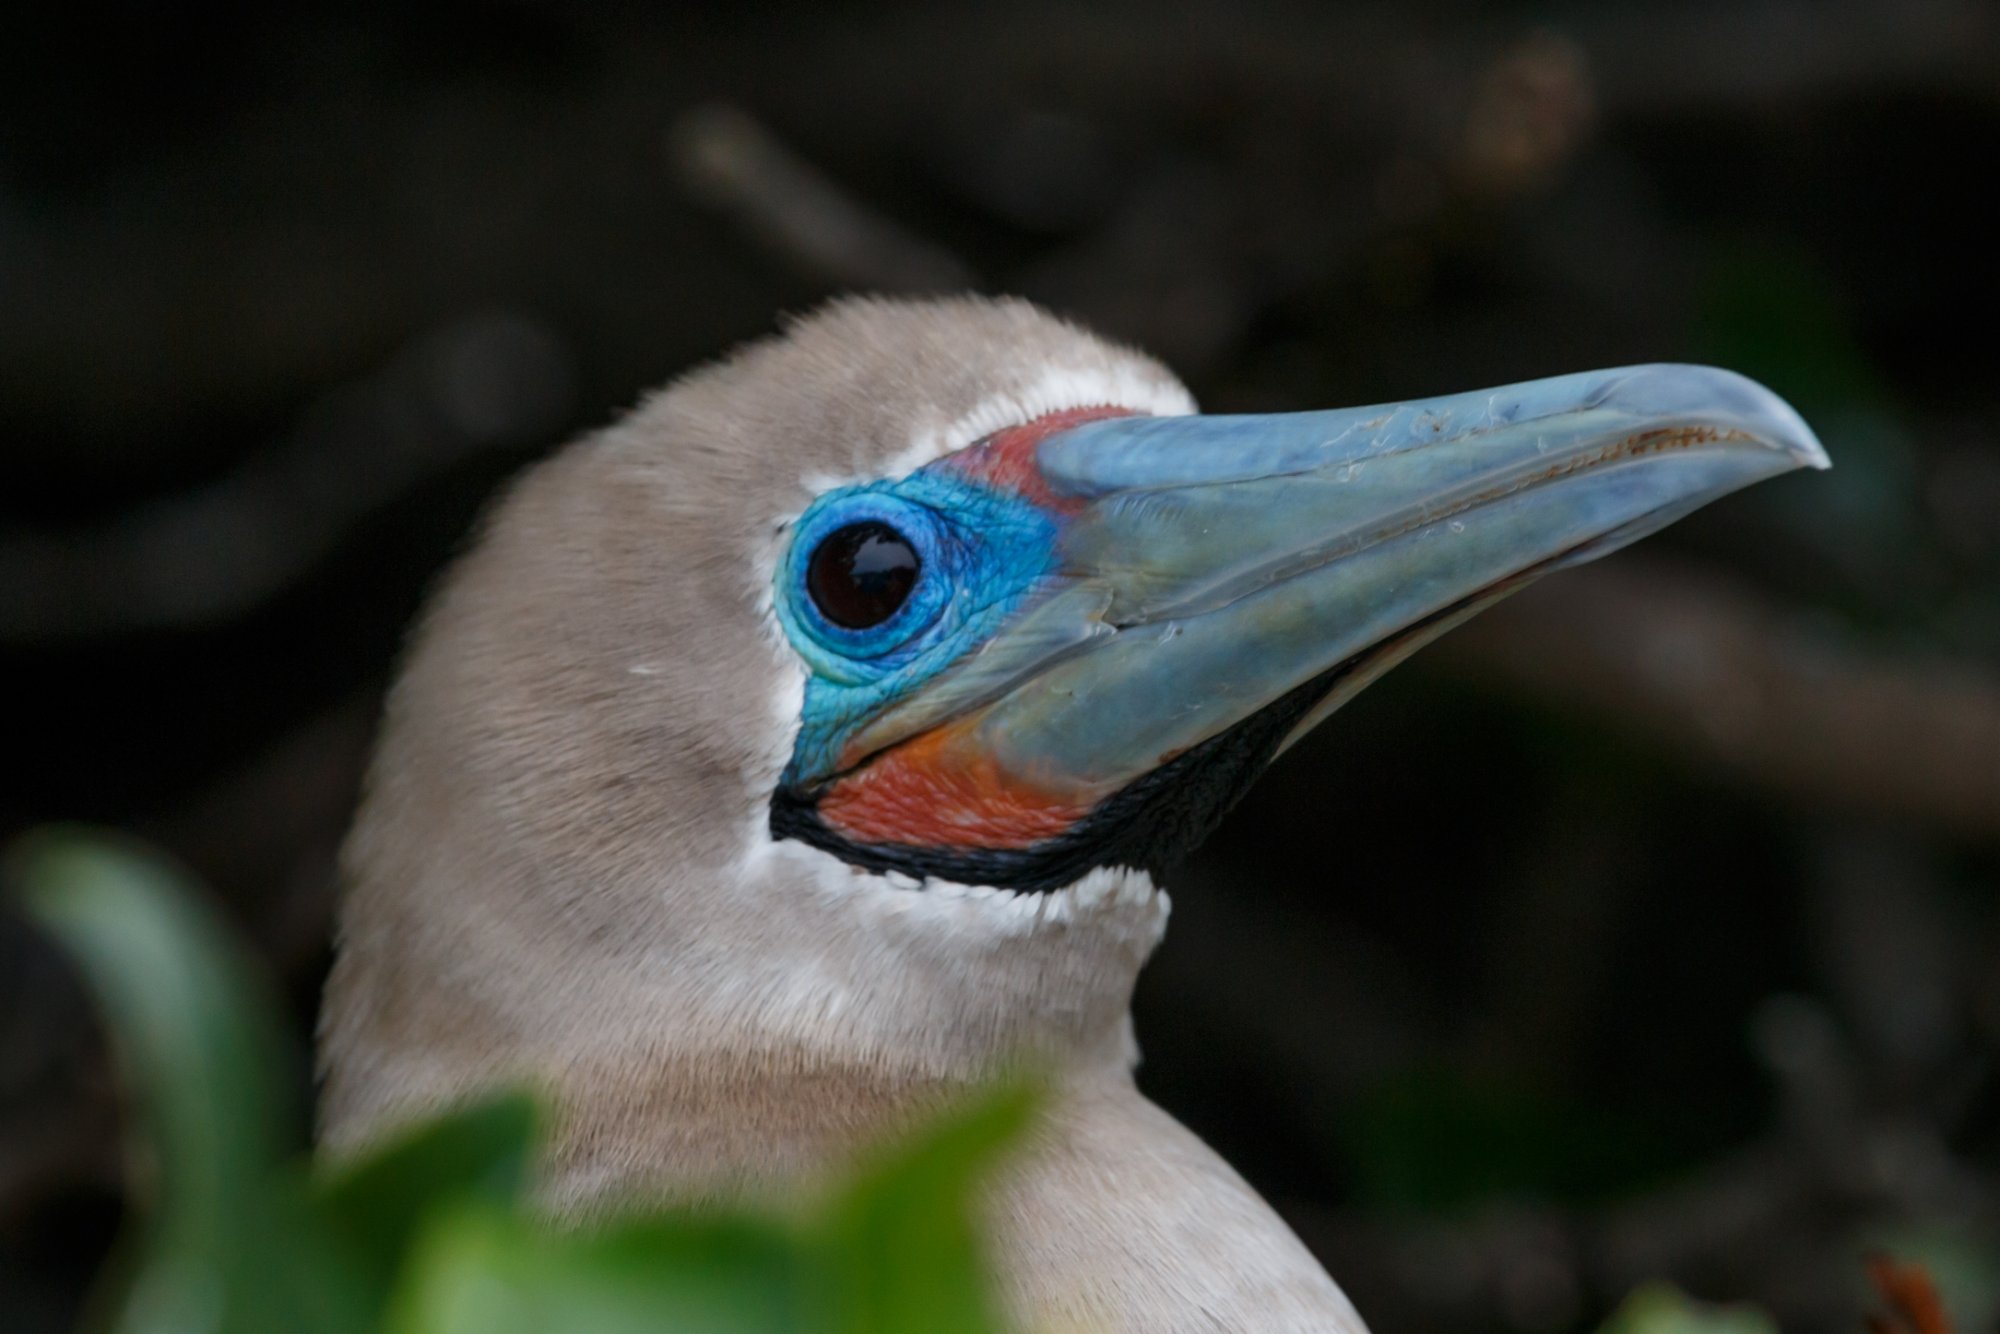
[{"x": 808, "y": 747}]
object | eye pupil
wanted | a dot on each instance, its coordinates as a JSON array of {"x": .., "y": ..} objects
[{"x": 859, "y": 575}]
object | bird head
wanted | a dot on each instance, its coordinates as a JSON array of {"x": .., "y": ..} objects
[{"x": 844, "y": 700}]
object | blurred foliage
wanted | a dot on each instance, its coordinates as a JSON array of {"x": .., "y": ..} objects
[
  {"x": 433, "y": 1232},
  {"x": 1963, "y": 1266},
  {"x": 1663, "y": 1309},
  {"x": 1771, "y": 311},
  {"x": 289, "y": 289},
  {"x": 1438, "y": 1139}
]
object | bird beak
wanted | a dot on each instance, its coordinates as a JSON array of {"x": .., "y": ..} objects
[
  {"x": 1214, "y": 566},
  {"x": 1216, "y": 570}
]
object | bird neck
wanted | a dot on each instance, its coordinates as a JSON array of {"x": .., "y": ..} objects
[
  {"x": 744, "y": 1125},
  {"x": 703, "y": 1033}
]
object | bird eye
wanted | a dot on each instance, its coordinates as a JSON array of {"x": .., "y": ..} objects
[{"x": 861, "y": 574}]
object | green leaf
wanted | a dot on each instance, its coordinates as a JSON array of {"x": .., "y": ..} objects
[
  {"x": 377, "y": 1204},
  {"x": 901, "y": 1249},
  {"x": 479, "y": 1270},
  {"x": 227, "y": 1244},
  {"x": 896, "y": 1253},
  {"x": 1661, "y": 1308},
  {"x": 429, "y": 1235}
]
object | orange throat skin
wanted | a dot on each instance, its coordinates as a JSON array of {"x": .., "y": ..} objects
[{"x": 942, "y": 790}]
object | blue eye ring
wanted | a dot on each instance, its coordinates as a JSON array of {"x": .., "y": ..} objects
[{"x": 844, "y": 651}]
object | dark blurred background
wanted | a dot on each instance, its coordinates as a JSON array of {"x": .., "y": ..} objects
[{"x": 1645, "y": 927}]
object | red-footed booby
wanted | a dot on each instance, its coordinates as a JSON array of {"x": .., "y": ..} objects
[{"x": 801, "y": 750}]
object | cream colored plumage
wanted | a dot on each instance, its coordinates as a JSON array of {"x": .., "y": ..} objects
[
  {"x": 564, "y": 868},
  {"x": 561, "y": 869}
]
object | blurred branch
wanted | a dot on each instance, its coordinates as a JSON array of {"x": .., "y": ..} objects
[
  {"x": 724, "y": 158},
  {"x": 58, "y": 1118},
  {"x": 267, "y": 835},
  {"x": 1693, "y": 663},
  {"x": 1763, "y": 1220},
  {"x": 1717, "y": 59},
  {"x": 489, "y": 382},
  {"x": 1910, "y": 1300}
]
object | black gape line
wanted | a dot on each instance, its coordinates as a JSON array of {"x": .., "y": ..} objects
[{"x": 1148, "y": 825}]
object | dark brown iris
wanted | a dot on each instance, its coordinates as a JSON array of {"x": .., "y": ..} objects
[{"x": 861, "y": 574}]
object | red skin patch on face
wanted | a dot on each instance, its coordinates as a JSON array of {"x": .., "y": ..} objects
[
  {"x": 1007, "y": 458},
  {"x": 942, "y": 790}
]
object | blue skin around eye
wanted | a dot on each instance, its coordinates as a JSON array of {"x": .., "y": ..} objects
[{"x": 984, "y": 553}]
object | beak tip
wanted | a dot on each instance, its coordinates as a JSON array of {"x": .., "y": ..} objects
[
  {"x": 1779, "y": 424},
  {"x": 1806, "y": 451},
  {"x": 1796, "y": 439},
  {"x": 1812, "y": 454},
  {"x": 1724, "y": 398}
]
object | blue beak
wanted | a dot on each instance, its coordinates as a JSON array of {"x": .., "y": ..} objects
[{"x": 1216, "y": 570}]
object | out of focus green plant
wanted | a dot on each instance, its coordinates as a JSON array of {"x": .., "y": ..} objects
[
  {"x": 1661, "y": 1308},
  {"x": 432, "y": 1234}
]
